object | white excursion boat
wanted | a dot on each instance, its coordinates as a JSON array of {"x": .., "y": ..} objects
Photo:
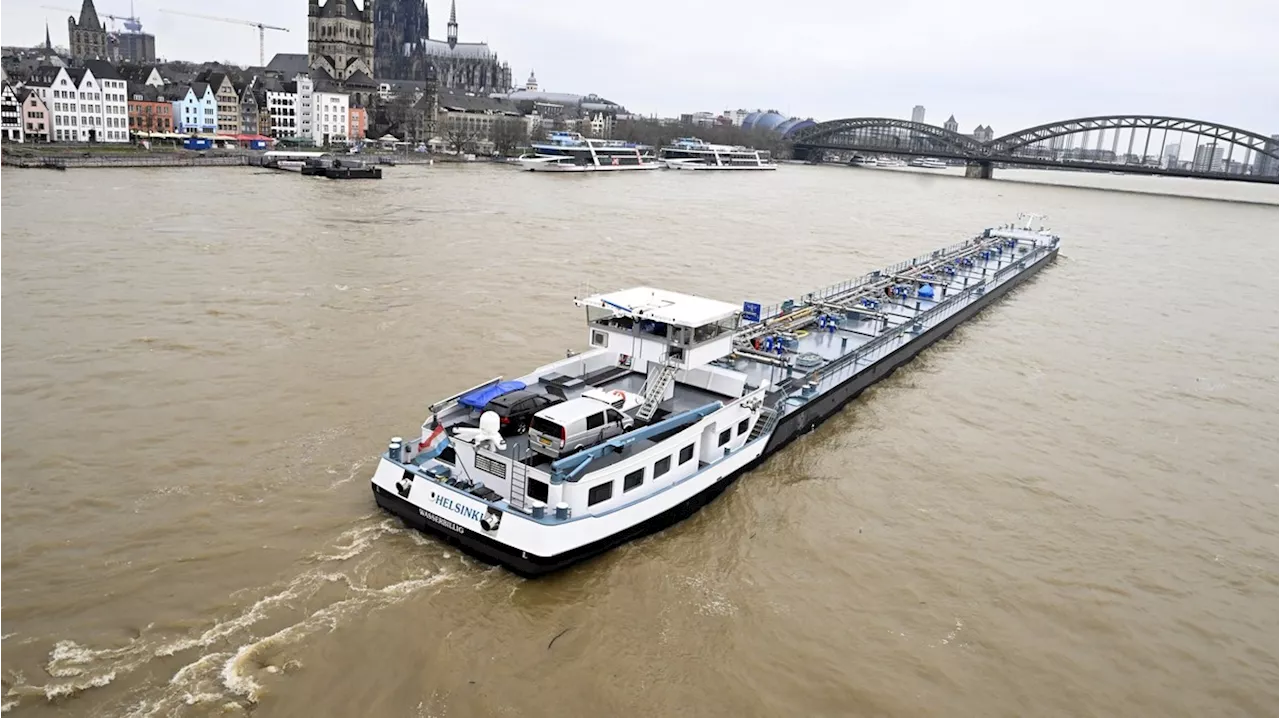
[
  {"x": 571, "y": 152},
  {"x": 862, "y": 161},
  {"x": 928, "y": 163},
  {"x": 676, "y": 397},
  {"x": 691, "y": 153},
  {"x": 890, "y": 162}
]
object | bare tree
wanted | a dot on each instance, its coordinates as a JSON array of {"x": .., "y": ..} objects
[
  {"x": 508, "y": 134},
  {"x": 457, "y": 140}
]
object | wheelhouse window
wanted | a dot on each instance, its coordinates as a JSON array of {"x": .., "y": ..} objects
[
  {"x": 661, "y": 466},
  {"x": 742, "y": 426},
  {"x": 686, "y": 454},
  {"x": 724, "y": 437},
  {"x": 599, "y": 339},
  {"x": 596, "y": 494},
  {"x": 632, "y": 480},
  {"x": 537, "y": 490}
]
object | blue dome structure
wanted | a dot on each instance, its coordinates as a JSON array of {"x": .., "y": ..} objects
[
  {"x": 750, "y": 120},
  {"x": 769, "y": 121},
  {"x": 794, "y": 125}
]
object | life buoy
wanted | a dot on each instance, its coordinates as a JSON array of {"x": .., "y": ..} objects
[
  {"x": 620, "y": 394},
  {"x": 802, "y": 333}
]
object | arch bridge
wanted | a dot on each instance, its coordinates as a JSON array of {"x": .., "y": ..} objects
[{"x": 1131, "y": 144}]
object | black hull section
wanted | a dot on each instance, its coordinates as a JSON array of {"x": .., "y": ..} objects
[
  {"x": 790, "y": 427},
  {"x": 822, "y": 407}
]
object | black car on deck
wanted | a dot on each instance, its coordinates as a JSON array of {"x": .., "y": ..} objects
[{"x": 516, "y": 408}]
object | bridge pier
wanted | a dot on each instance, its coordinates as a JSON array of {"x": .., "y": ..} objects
[{"x": 977, "y": 169}]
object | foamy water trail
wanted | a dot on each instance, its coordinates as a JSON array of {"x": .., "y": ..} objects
[
  {"x": 238, "y": 675},
  {"x": 232, "y": 674}
]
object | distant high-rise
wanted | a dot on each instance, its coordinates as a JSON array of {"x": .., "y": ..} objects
[
  {"x": 1208, "y": 158},
  {"x": 1172, "y": 153},
  {"x": 138, "y": 48},
  {"x": 1266, "y": 164},
  {"x": 917, "y": 114}
]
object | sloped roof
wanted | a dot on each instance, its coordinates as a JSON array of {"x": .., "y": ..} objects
[
  {"x": 288, "y": 63},
  {"x": 463, "y": 102},
  {"x": 89, "y": 17},
  {"x": 461, "y": 50},
  {"x": 103, "y": 70}
]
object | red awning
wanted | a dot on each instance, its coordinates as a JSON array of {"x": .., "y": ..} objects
[{"x": 250, "y": 138}]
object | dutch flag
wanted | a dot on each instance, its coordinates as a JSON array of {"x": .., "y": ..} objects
[{"x": 435, "y": 443}]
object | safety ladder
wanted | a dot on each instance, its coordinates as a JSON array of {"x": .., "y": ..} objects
[
  {"x": 519, "y": 477},
  {"x": 764, "y": 424},
  {"x": 654, "y": 390}
]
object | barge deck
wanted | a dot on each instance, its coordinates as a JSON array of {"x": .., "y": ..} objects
[{"x": 721, "y": 388}]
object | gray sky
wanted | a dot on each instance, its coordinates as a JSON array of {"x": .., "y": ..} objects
[{"x": 1005, "y": 63}]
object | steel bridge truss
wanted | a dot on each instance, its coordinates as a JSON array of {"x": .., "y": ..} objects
[{"x": 1035, "y": 144}]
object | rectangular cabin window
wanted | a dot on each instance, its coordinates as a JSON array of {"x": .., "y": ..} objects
[
  {"x": 724, "y": 437},
  {"x": 661, "y": 466},
  {"x": 595, "y": 421},
  {"x": 742, "y": 426},
  {"x": 599, "y": 339},
  {"x": 632, "y": 480},
  {"x": 603, "y": 492},
  {"x": 537, "y": 490},
  {"x": 686, "y": 454}
]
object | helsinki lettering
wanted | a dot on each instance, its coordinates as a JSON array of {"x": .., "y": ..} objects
[{"x": 449, "y": 505}]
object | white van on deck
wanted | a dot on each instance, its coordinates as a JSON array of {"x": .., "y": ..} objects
[{"x": 577, "y": 424}]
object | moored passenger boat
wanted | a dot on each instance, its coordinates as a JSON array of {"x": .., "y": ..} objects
[
  {"x": 571, "y": 152},
  {"x": 691, "y": 153},
  {"x": 676, "y": 396}
]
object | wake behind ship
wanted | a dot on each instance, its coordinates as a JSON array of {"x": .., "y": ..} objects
[{"x": 676, "y": 397}]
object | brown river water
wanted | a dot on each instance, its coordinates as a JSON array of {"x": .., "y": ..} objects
[{"x": 1067, "y": 508}]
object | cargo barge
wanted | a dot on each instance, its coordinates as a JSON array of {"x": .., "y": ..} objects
[{"x": 676, "y": 397}]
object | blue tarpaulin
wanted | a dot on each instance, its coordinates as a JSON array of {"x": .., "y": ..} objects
[{"x": 480, "y": 397}]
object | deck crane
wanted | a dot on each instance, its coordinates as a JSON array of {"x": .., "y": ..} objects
[{"x": 262, "y": 28}]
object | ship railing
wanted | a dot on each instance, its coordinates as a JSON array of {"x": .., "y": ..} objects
[
  {"x": 853, "y": 285},
  {"x": 841, "y": 369}
]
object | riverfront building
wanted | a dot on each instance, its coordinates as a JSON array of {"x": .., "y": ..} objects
[
  {"x": 10, "y": 114},
  {"x": 35, "y": 116},
  {"x": 84, "y": 107},
  {"x": 149, "y": 111}
]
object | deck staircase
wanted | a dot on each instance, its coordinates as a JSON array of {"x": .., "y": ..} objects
[
  {"x": 768, "y": 419},
  {"x": 519, "y": 477},
  {"x": 654, "y": 390}
]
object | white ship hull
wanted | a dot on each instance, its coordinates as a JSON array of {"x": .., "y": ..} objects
[
  {"x": 684, "y": 164},
  {"x": 556, "y": 164}
]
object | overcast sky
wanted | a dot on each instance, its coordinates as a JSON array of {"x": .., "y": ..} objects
[{"x": 1009, "y": 64}]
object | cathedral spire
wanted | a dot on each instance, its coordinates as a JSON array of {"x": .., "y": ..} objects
[
  {"x": 453, "y": 23},
  {"x": 48, "y": 44}
]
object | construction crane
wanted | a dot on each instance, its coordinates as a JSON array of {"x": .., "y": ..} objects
[
  {"x": 131, "y": 23},
  {"x": 262, "y": 28}
]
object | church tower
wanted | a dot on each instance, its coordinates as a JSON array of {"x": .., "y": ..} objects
[
  {"x": 532, "y": 84},
  {"x": 340, "y": 38},
  {"x": 453, "y": 24},
  {"x": 88, "y": 37}
]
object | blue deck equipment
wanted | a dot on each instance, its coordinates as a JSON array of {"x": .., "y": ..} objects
[
  {"x": 570, "y": 467},
  {"x": 479, "y": 398}
]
